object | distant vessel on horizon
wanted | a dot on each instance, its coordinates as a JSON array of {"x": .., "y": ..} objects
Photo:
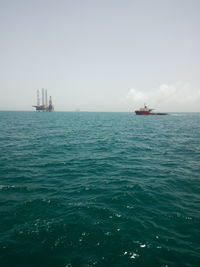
[{"x": 147, "y": 111}]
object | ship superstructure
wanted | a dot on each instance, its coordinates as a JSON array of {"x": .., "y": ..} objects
[{"x": 45, "y": 106}]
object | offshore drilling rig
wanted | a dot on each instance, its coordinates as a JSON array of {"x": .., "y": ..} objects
[{"x": 45, "y": 106}]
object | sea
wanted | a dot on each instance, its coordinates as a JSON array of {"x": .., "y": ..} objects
[{"x": 99, "y": 189}]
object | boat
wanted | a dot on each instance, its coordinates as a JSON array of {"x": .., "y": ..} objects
[{"x": 147, "y": 111}]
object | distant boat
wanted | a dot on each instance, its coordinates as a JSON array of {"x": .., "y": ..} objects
[{"x": 147, "y": 111}]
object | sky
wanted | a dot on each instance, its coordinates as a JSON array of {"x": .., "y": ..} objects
[{"x": 101, "y": 55}]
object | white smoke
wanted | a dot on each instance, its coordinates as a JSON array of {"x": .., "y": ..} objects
[{"x": 169, "y": 97}]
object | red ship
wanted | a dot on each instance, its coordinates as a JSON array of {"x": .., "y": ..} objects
[{"x": 147, "y": 111}]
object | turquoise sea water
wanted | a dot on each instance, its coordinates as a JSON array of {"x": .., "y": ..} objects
[{"x": 99, "y": 189}]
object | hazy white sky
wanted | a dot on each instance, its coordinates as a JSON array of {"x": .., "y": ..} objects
[{"x": 100, "y": 55}]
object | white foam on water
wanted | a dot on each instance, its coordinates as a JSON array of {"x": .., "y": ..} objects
[{"x": 133, "y": 255}]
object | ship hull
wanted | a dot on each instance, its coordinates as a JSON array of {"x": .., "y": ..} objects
[{"x": 138, "y": 112}]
